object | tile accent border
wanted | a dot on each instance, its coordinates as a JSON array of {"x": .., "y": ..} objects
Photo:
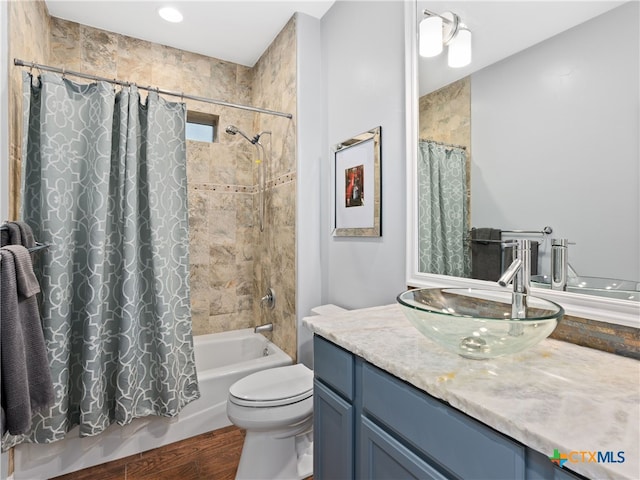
[
  {"x": 216, "y": 187},
  {"x": 281, "y": 180}
]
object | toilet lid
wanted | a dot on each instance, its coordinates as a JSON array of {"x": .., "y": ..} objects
[{"x": 273, "y": 387}]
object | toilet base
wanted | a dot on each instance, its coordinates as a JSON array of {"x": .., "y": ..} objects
[{"x": 265, "y": 457}]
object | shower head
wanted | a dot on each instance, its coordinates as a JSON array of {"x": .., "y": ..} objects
[{"x": 232, "y": 130}]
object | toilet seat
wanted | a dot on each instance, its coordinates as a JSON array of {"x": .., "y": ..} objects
[{"x": 273, "y": 387}]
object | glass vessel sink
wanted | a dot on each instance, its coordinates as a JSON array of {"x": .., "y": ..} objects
[
  {"x": 603, "y": 287},
  {"x": 478, "y": 323}
]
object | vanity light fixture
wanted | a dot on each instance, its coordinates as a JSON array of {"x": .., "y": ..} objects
[
  {"x": 437, "y": 31},
  {"x": 459, "y": 54},
  {"x": 431, "y": 36},
  {"x": 170, "y": 14}
]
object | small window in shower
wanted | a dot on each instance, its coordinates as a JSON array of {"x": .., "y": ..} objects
[{"x": 201, "y": 127}]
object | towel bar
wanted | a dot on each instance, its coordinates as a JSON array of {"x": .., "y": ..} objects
[{"x": 545, "y": 231}]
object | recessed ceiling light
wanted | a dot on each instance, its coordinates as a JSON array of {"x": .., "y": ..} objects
[{"x": 170, "y": 14}]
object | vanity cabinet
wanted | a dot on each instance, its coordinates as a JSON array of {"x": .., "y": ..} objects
[
  {"x": 333, "y": 412},
  {"x": 370, "y": 424}
]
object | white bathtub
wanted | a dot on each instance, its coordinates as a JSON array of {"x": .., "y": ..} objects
[{"x": 221, "y": 360}]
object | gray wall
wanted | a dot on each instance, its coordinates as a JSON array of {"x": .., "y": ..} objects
[
  {"x": 310, "y": 159},
  {"x": 363, "y": 78},
  {"x": 561, "y": 119}
]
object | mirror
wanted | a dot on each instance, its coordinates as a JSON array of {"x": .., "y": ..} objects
[{"x": 550, "y": 123}]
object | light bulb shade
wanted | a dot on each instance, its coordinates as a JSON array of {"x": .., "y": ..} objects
[
  {"x": 430, "y": 36},
  {"x": 170, "y": 14},
  {"x": 460, "y": 49}
]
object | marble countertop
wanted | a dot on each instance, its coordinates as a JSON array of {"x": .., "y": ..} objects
[{"x": 555, "y": 395}]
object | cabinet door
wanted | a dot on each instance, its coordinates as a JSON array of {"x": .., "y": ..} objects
[
  {"x": 539, "y": 467},
  {"x": 332, "y": 435},
  {"x": 383, "y": 457}
]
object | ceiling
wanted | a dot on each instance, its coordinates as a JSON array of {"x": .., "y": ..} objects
[
  {"x": 502, "y": 28},
  {"x": 238, "y": 31}
]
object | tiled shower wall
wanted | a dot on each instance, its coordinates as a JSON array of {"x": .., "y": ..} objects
[
  {"x": 445, "y": 117},
  {"x": 226, "y": 254},
  {"x": 30, "y": 27},
  {"x": 274, "y": 87}
]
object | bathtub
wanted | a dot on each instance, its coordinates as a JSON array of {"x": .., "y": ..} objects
[{"x": 221, "y": 360}]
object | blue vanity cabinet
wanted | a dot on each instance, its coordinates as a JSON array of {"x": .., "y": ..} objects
[
  {"x": 333, "y": 412},
  {"x": 368, "y": 424}
]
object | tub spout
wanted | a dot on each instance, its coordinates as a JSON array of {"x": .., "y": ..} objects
[{"x": 267, "y": 327}]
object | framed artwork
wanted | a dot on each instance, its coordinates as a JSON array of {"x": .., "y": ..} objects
[{"x": 357, "y": 194}]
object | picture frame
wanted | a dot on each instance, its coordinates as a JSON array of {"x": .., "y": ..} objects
[{"x": 357, "y": 185}]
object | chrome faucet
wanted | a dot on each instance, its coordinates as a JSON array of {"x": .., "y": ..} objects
[{"x": 519, "y": 273}]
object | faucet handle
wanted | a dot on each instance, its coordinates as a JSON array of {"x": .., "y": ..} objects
[{"x": 269, "y": 299}]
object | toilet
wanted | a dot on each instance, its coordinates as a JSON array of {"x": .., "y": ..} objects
[{"x": 275, "y": 407}]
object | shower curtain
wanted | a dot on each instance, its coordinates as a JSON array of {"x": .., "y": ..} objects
[
  {"x": 443, "y": 223},
  {"x": 104, "y": 181}
]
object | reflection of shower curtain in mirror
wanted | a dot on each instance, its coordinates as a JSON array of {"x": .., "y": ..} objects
[{"x": 443, "y": 222}]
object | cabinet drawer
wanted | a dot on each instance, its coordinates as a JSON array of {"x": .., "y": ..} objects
[
  {"x": 461, "y": 445},
  {"x": 384, "y": 457},
  {"x": 334, "y": 366}
]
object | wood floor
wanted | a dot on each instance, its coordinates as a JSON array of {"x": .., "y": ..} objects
[{"x": 211, "y": 456}]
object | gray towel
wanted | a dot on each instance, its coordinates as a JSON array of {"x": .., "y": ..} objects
[
  {"x": 4, "y": 237},
  {"x": 486, "y": 256},
  {"x": 26, "y": 235},
  {"x": 17, "y": 233},
  {"x": 26, "y": 379},
  {"x": 26, "y": 280},
  {"x": 13, "y": 237}
]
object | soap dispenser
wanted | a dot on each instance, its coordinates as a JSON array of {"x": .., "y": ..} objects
[{"x": 559, "y": 263}]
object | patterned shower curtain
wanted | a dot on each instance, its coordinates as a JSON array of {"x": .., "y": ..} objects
[
  {"x": 443, "y": 222},
  {"x": 104, "y": 181}
]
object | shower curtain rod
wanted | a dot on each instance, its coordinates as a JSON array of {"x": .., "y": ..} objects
[{"x": 63, "y": 71}]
